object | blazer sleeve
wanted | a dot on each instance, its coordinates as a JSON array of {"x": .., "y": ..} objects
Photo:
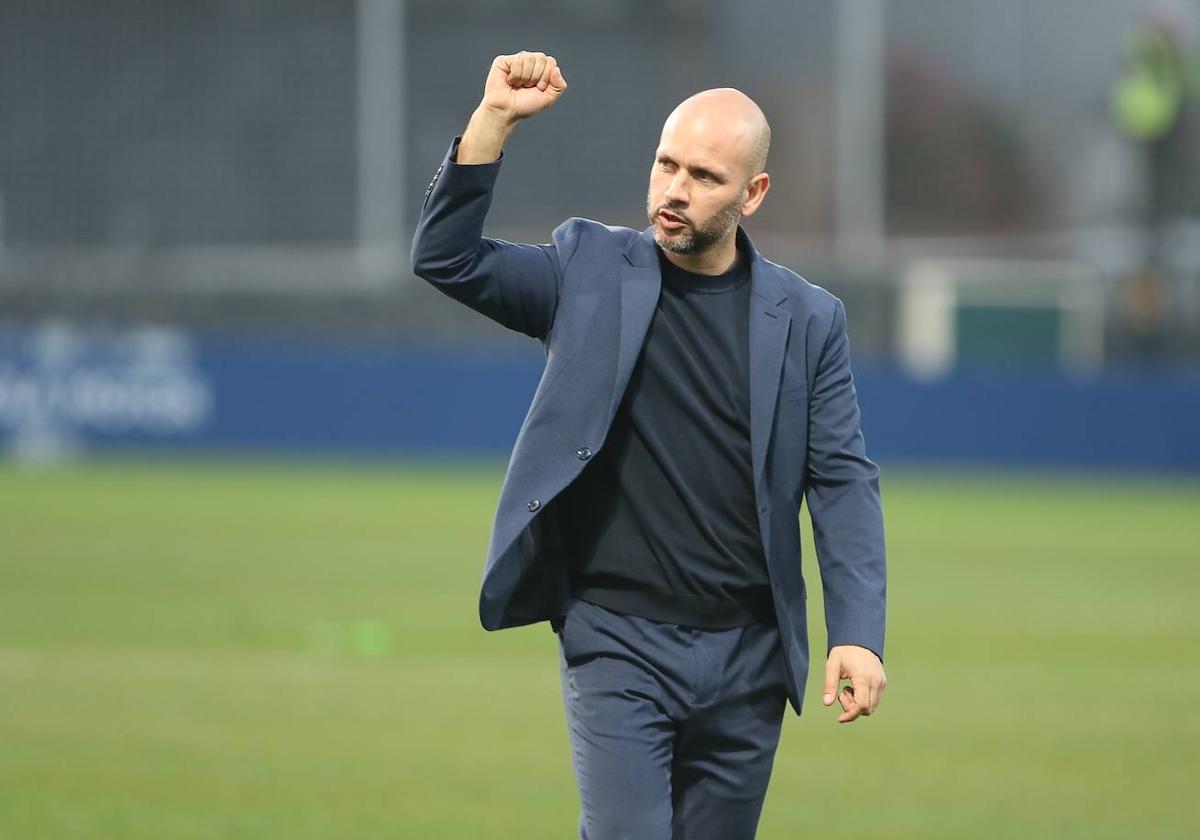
[
  {"x": 843, "y": 502},
  {"x": 515, "y": 285}
]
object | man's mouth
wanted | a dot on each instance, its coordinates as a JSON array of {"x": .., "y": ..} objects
[{"x": 670, "y": 220}]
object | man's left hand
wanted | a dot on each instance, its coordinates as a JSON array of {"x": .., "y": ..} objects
[{"x": 867, "y": 680}]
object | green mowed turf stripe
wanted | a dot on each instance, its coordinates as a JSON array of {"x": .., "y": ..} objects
[
  {"x": 268, "y": 649},
  {"x": 291, "y": 741}
]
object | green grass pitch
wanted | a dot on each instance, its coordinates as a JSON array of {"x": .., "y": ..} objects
[{"x": 271, "y": 650}]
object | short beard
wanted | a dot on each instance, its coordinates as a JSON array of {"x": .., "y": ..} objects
[{"x": 702, "y": 236}]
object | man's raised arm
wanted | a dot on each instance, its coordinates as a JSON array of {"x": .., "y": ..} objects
[{"x": 515, "y": 285}]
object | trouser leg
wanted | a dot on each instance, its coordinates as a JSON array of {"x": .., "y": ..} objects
[
  {"x": 621, "y": 735},
  {"x": 725, "y": 751},
  {"x": 673, "y": 730}
]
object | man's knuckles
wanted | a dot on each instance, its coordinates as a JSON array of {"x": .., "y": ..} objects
[{"x": 522, "y": 66}]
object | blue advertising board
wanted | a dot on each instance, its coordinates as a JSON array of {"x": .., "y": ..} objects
[{"x": 66, "y": 388}]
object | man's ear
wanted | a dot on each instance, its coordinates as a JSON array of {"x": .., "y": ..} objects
[{"x": 756, "y": 191}]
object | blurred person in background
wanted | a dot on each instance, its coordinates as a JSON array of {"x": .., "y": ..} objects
[
  {"x": 694, "y": 393},
  {"x": 1154, "y": 103}
]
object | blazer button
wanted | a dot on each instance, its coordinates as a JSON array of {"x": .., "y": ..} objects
[
  {"x": 534, "y": 504},
  {"x": 583, "y": 453}
]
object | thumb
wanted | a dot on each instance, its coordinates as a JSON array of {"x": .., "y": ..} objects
[{"x": 833, "y": 671}]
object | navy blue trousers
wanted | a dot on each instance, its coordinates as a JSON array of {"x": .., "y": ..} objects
[{"x": 673, "y": 729}]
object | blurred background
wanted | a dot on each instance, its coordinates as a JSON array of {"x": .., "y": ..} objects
[{"x": 250, "y": 461}]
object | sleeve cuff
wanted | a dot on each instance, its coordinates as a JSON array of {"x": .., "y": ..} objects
[{"x": 871, "y": 648}]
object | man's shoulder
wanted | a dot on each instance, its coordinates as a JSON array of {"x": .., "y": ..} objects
[
  {"x": 809, "y": 297},
  {"x": 596, "y": 239},
  {"x": 578, "y": 226}
]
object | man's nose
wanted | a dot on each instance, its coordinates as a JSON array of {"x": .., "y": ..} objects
[{"x": 677, "y": 190}]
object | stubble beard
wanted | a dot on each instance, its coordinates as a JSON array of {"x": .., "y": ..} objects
[{"x": 700, "y": 237}]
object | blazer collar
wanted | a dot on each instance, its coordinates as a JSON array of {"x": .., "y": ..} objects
[{"x": 643, "y": 252}]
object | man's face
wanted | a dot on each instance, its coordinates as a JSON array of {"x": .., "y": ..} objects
[{"x": 697, "y": 188}]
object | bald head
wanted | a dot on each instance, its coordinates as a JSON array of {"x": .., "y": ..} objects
[
  {"x": 731, "y": 121},
  {"x": 706, "y": 177}
]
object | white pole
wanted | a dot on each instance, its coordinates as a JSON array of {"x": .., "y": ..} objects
[
  {"x": 381, "y": 152},
  {"x": 859, "y": 234}
]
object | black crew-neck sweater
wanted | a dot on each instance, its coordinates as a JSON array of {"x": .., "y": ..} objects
[{"x": 662, "y": 523}]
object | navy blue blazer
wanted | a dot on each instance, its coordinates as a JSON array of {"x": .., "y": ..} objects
[{"x": 588, "y": 296}]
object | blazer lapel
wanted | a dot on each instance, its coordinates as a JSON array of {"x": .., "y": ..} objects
[
  {"x": 641, "y": 282},
  {"x": 770, "y": 322}
]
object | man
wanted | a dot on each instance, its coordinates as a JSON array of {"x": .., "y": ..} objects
[{"x": 693, "y": 394}]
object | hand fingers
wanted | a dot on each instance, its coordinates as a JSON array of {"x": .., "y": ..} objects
[
  {"x": 850, "y": 704},
  {"x": 525, "y": 68},
  {"x": 532, "y": 69},
  {"x": 512, "y": 65},
  {"x": 863, "y": 694},
  {"x": 547, "y": 72},
  {"x": 557, "y": 80},
  {"x": 877, "y": 694},
  {"x": 527, "y": 61},
  {"x": 860, "y": 699},
  {"x": 538, "y": 71},
  {"x": 832, "y": 674}
]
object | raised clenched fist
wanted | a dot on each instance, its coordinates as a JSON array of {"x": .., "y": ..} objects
[{"x": 520, "y": 85}]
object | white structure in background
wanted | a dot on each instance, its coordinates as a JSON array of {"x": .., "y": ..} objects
[
  {"x": 382, "y": 236},
  {"x": 60, "y": 383},
  {"x": 860, "y": 228},
  {"x": 1060, "y": 304}
]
